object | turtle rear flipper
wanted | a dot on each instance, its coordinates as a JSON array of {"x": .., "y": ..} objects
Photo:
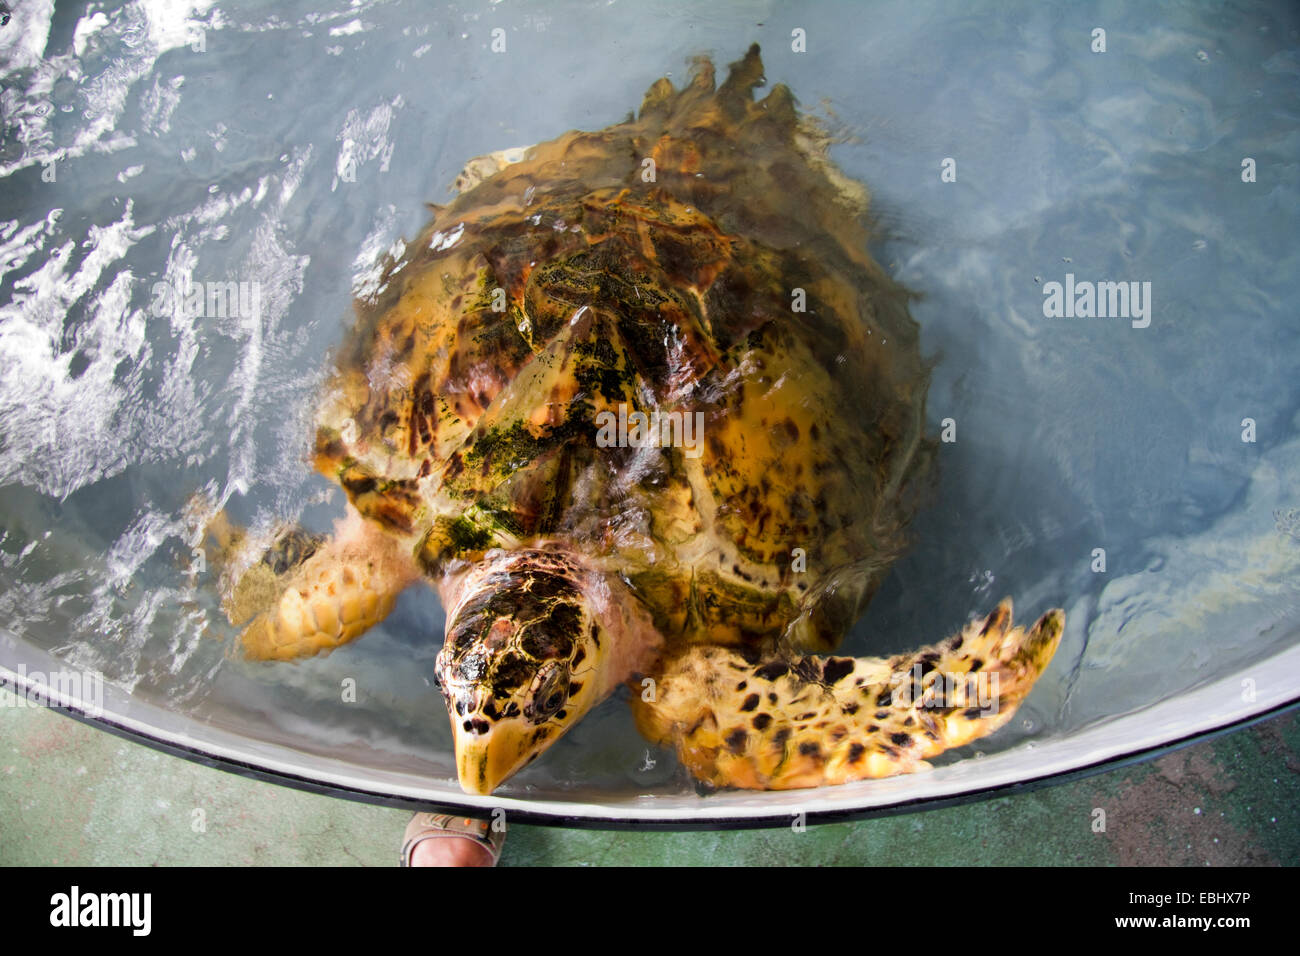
[{"x": 781, "y": 724}]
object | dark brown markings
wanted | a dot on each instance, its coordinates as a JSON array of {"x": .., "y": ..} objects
[
  {"x": 901, "y": 739},
  {"x": 736, "y": 740},
  {"x": 807, "y": 669},
  {"x": 761, "y": 721},
  {"x": 549, "y": 638},
  {"x": 836, "y": 669},
  {"x": 810, "y": 749},
  {"x": 706, "y": 717},
  {"x": 455, "y": 466},
  {"x": 856, "y": 752},
  {"x": 750, "y": 703},
  {"x": 357, "y": 482},
  {"x": 772, "y": 671},
  {"x": 885, "y": 699},
  {"x": 292, "y": 549},
  {"x": 971, "y": 713}
]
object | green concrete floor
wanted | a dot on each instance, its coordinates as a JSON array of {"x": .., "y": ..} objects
[{"x": 74, "y": 795}]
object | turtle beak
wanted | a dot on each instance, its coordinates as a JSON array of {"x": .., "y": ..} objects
[
  {"x": 491, "y": 746},
  {"x": 485, "y": 760}
]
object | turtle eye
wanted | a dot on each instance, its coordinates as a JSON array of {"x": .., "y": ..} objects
[{"x": 548, "y": 697}]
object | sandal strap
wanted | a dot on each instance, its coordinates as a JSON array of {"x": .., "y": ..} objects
[{"x": 427, "y": 826}]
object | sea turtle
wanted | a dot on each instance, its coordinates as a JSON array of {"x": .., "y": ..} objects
[{"x": 643, "y": 409}]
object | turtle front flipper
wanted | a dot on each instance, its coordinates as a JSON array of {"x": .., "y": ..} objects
[
  {"x": 781, "y": 724},
  {"x": 307, "y": 593}
]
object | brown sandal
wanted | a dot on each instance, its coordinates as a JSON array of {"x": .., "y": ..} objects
[{"x": 425, "y": 826}]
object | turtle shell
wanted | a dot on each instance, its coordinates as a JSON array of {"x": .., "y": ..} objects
[{"x": 705, "y": 260}]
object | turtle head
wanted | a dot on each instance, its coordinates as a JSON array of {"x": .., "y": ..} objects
[{"x": 525, "y": 657}]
